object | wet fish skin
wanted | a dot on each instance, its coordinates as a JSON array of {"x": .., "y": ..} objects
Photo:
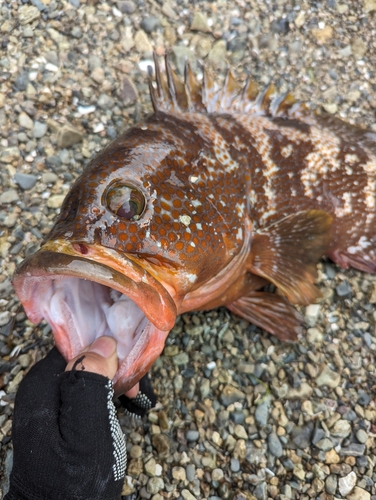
[{"x": 241, "y": 188}]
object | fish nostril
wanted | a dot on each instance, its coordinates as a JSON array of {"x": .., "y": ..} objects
[{"x": 80, "y": 248}]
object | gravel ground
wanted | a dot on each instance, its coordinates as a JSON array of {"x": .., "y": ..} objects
[{"x": 240, "y": 414}]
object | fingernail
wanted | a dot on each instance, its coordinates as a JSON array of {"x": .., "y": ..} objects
[{"x": 104, "y": 346}]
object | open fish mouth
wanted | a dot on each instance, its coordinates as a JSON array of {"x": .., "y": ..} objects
[{"x": 83, "y": 299}]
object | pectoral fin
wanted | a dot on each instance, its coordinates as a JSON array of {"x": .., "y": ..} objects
[
  {"x": 271, "y": 312},
  {"x": 287, "y": 252}
]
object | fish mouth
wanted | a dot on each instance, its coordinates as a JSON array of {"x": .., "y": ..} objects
[{"x": 84, "y": 298}]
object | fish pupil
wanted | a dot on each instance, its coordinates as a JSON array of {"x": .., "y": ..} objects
[{"x": 125, "y": 201}]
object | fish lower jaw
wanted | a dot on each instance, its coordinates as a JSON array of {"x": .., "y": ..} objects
[{"x": 79, "y": 311}]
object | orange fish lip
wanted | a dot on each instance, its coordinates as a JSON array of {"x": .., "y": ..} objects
[{"x": 58, "y": 260}]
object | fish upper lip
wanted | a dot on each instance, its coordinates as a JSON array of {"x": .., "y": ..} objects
[{"x": 142, "y": 287}]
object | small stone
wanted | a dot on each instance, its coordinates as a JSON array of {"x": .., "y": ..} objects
[
  {"x": 8, "y": 155},
  {"x": 39, "y": 130},
  {"x": 204, "y": 46},
  {"x": 247, "y": 368},
  {"x": 299, "y": 472},
  {"x": 314, "y": 335},
  {"x": 27, "y": 14},
  {"x": 155, "y": 484},
  {"x": 353, "y": 450},
  {"x": 97, "y": 75},
  {"x": 192, "y": 435},
  {"x": 235, "y": 465},
  {"x": 68, "y": 135},
  {"x": 136, "y": 451},
  {"x": 332, "y": 457},
  {"x": 150, "y": 24},
  {"x": 343, "y": 289},
  {"x": 200, "y": 23},
  {"x": 5, "y": 317},
  {"x": 323, "y": 35},
  {"x": 328, "y": 378},
  {"x": 240, "y": 432},
  {"x": 217, "y": 475},
  {"x": 359, "y": 48},
  {"x": 13, "y": 385},
  {"x": 181, "y": 359},
  {"x": 274, "y": 445},
  {"x": 312, "y": 313},
  {"x": 300, "y": 19},
  {"x": 128, "y": 92},
  {"x": 9, "y": 196},
  {"x": 302, "y": 392},
  {"x": 361, "y": 436},
  {"x": 217, "y": 55},
  {"x": 49, "y": 178},
  {"x": 342, "y": 428},
  {"x": 25, "y": 181},
  {"x": 151, "y": 467},
  {"x": 105, "y": 102},
  {"x": 127, "y": 7},
  {"x": 331, "y": 484},
  {"x": 324, "y": 444},
  {"x": 179, "y": 473},
  {"x": 25, "y": 121},
  {"x": 231, "y": 395},
  {"x": 346, "y": 484},
  {"x": 55, "y": 201},
  {"x": 142, "y": 43},
  {"x": 262, "y": 412},
  {"x": 359, "y": 494},
  {"x": 187, "y": 495},
  {"x": 190, "y": 472}
]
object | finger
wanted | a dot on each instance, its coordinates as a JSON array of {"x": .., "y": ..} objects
[{"x": 100, "y": 357}]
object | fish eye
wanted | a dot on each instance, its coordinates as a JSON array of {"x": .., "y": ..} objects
[{"x": 125, "y": 201}]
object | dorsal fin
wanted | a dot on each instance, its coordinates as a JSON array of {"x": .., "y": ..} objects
[{"x": 173, "y": 95}]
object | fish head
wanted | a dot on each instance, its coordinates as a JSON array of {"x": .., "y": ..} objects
[{"x": 135, "y": 234}]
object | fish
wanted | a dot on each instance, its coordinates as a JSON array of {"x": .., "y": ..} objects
[{"x": 220, "y": 193}]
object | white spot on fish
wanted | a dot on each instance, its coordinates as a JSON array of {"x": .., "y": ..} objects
[{"x": 185, "y": 219}]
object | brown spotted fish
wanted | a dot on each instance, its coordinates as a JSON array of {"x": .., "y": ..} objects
[{"x": 214, "y": 196}]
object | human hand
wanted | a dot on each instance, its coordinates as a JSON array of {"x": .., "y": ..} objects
[{"x": 66, "y": 437}]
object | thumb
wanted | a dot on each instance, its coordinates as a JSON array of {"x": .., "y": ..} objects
[{"x": 100, "y": 357}]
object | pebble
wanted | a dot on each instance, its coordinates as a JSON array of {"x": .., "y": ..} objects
[
  {"x": 344, "y": 289},
  {"x": 55, "y": 201},
  {"x": 190, "y": 472},
  {"x": 9, "y": 196},
  {"x": 9, "y": 155},
  {"x": 187, "y": 495},
  {"x": 331, "y": 483},
  {"x": 361, "y": 436},
  {"x": 240, "y": 432},
  {"x": 192, "y": 435},
  {"x": 25, "y": 121},
  {"x": 155, "y": 484},
  {"x": 40, "y": 129},
  {"x": 231, "y": 395},
  {"x": 274, "y": 445},
  {"x": 151, "y": 467},
  {"x": 342, "y": 428},
  {"x": 353, "y": 450},
  {"x": 150, "y": 24},
  {"x": 25, "y": 181},
  {"x": 262, "y": 412},
  {"x": 200, "y": 23},
  {"x": 359, "y": 494},
  {"x": 68, "y": 136},
  {"x": 328, "y": 378},
  {"x": 347, "y": 483}
]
